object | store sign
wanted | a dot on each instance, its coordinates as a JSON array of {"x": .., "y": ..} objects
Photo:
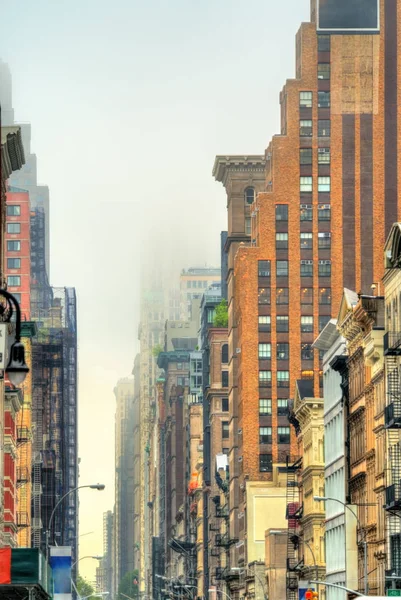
[{"x": 348, "y": 16}]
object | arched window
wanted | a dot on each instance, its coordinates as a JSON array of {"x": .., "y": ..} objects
[
  {"x": 249, "y": 195},
  {"x": 224, "y": 354}
]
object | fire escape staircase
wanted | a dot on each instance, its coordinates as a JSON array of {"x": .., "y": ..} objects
[{"x": 294, "y": 514}]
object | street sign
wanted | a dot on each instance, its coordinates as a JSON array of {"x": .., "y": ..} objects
[{"x": 393, "y": 592}]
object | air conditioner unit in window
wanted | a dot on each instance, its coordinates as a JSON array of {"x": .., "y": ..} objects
[{"x": 238, "y": 350}]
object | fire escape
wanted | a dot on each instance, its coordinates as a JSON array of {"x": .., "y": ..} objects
[
  {"x": 23, "y": 475},
  {"x": 392, "y": 352},
  {"x": 294, "y": 514}
]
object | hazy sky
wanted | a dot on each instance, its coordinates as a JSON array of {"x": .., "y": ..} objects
[{"x": 129, "y": 103}]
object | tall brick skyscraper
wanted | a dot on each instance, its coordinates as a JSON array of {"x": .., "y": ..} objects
[{"x": 330, "y": 199}]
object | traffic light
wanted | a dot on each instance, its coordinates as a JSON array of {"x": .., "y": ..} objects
[{"x": 311, "y": 595}]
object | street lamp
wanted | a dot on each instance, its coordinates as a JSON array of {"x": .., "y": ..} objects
[
  {"x": 238, "y": 570},
  {"x": 17, "y": 368},
  {"x": 94, "y": 558},
  {"x": 364, "y": 542},
  {"x": 92, "y": 486},
  {"x": 212, "y": 591}
]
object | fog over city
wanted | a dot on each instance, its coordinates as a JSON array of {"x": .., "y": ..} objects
[{"x": 129, "y": 103}]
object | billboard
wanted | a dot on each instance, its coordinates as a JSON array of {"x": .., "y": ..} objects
[
  {"x": 348, "y": 16},
  {"x": 60, "y": 562}
]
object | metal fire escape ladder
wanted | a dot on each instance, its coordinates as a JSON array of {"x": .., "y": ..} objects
[
  {"x": 393, "y": 460},
  {"x": 293, "y": 514}
]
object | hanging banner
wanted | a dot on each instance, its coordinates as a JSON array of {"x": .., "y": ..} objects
[
  {"x": 5, "y": 566},
  {"x": 60, "y": 562},
  {"x": 3, "y": 341}
]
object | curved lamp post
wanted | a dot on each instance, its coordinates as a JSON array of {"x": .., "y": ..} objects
[
  {"x": 79, "y": 560},
  {"x": 364, "y": 542},
  {"x": 17, "y": 368},
  {"x": 212, "y": 591},
  {"x": 93, "y": 486}
]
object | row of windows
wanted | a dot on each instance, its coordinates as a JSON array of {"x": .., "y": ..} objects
[
  {"x": 265, "y": 435},
  {"x": 265, "y": 378},
  {"x": 282, "y": 323},
  {"x": 306, "y": 156},
  {"x": 306, "y": 184},
  {"x": 306, "y": 242},
  {"x": 324, "y": 270},
  {"x": 306, "y": 99},
  {"x": 265, "y": 407},
  {"x": 283, "y": 351},
  {"x": 283, "y": 296},
  {"x": 197, "y": 284},
  {"x": 306, "y": 214},
  {"x": 306, "y": 128}
]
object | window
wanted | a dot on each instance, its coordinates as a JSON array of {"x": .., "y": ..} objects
[
  {"x": 283, "y": 351},
  {"x": 283, "y": 378},
  {"x": 13, "y": 245},
  {"x": 306, "y": 295},
  {"x": 323, "y": 156},
  {"x": 182, "y": 381},
  {"x": 282, "y": 324},
  {"x": 224, "y": 354},
  {"x": 13, "y": 227},
  {"x": 249, "y": 195},
  {"x": 13, "y": 210},
  {"x": 224, "y": 379},
  {"x": 306, "y": 352},
  {"x": 282, "y": 268},
  {"x": 306, "y": 212},
  {"x": 307, "y": 324},
  {"x": 306, "y": 241},
  {"x": 323, "y": 184},
  {"x": 265, "y": 351},
  {"x": 225, "y": 432},
  {"x": 325, "y": 296},
  {"x": 281, "y": 241},
  {"x": 264, "y": 296},
  {"x": 265, "y": 435},
  {"x": 264, "y": 323},
  {"x": 265, "y": 378},
  {"x": 323, "y": 128},
  {"x": 323, "y": 43},
  {"x": 17, "y": 296},
  {"x": 323, "y": 99},
  {"x": 282, "y": 407},
  {"x": 324, "y": 212},
  {"x": 306, "y": 268},
  {"x": 224, "y": 405},
  {"x": 305, "y": 99},
  {"x": 248, "y": 226},
  {"x": 323, "y": 71},
  {"x": 283, "y": 435},
  {"x": 305, "y": 128},
  {"x": 264, "y": 268},
  {"x": 265, "y": 406},
  {"x": 324, "y": 268},
  {"x": 324, "y": 240},
  {"x": 305, "y": 156},
  {"x": 211, "y": 312},
  {"x": 282, "y": 296},
  {"x": 14, "y": 280},
  {"x": 306, "y": 374},
  {"x": 13, "y": 263},
  {"x": 323, "y": 320},
  {"x": 281, "y": 212},
  {"x": 265, "y": 463},
  {"x": 305, "y": 184}
]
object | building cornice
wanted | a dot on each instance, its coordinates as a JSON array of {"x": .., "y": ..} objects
[{"x": 224, "y": 165}]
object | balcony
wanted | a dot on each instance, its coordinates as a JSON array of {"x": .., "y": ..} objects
[
  {"x": 222, "y": 512},
  {"x": 392, "y": 343},
  {"x": 392, "y": 415},
  {"x": 22, "y": 519},
  {"x": 23, "y": 476},
  {"x": 393, "y": 497}
]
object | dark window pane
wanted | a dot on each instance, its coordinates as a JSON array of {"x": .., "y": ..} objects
[
  {"x": 283, "y": 351},
  {"x": 224, "y": 405},
  {"x": 306, "y": 295},
  {"x": 249, "y": 195},
  {"x": 305, "y": 156},
  {"x": 323, "y": 71},
  {"x": 264, "y": 268},
  {"x": 323, "y": 320},
  {"x": 282, "y": 407},
  {"x": 324, "y": 240},
  {"x": 224, "y": 354},
  {"x": 13, "y": 263},
  {"x": 305, "y": 128},
  {"x": 13, "y": 210},
  {"x": 281, "y": 212},
  {"x": 282, "y": 268},
  {"x": 282, "y": 324},
  {"x": 282, "y": 296},
  {"x": 281, "y": 241},
  {"x": 306, "y": 268},
  {"x": 306, "y": 212},
  {"x": 283, "y": 435},
  {"x": 323, "y": 99},
  {"x": 307, "y": 324},
  {"x": 265, "y": 463},
  {"x": 225, "y": 432},
  {"x": 325, "y": 296},
  {"x": 323, "y": 128},
  {"x": 264, "y": 295},
  {"x": 324, "y": 212},
  {"x": 283, "y": 379},
  {"x": 224, "y": 379},
  {"x": 264, "y": 323},
  {"x": 323, "y": 43},
  {"x": 323, "y": 156},
  {"x": 306, "y": 352},
  {"x": 306, "y": 241},
  {"x": 324, "y": 268}
]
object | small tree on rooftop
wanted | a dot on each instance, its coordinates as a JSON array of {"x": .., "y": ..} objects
[
  {"x": 156, "y": 350},
  {"x": 221, "y": 314}
]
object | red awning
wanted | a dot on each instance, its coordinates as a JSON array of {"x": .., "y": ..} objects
[{"x": 5, "y": 566}]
